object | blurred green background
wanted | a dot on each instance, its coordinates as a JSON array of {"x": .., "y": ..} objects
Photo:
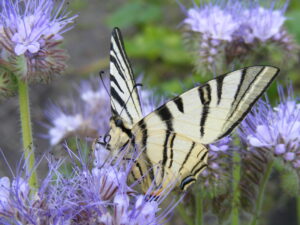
[{"x": 155, "y": 46}]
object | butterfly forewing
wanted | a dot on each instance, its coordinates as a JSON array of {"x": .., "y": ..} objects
[
  {"x": 211, "y": 111},
  {"x": 124, "y": 95}
]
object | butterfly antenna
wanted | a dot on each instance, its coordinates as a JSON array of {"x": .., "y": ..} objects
[
  {"x": 134, "y": 87},
  {"x": 101, "y": 73}
]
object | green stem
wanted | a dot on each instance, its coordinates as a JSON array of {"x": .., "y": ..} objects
[
  {"x": 199, "y": 208},
  {"x": 260, "y": 198},
  {"x": 186, "y": 218},
  {"x": 298, "y": 209},
  {"x": 235, "y": 187},
  {"x": 26, "y": 131}
]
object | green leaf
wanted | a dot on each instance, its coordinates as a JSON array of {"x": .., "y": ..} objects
[
  {"x": 135, "y": 13},
  {"x": 20, "y": 66},
  {"x": 78, "y": 5},
  {"x": 157, "y": 42},
  {"x": 288, "y": 177},
  {"x": 290, "y": 182},
  {"x": 292, "y": 23},
  {"x": 8, "y": 83}
]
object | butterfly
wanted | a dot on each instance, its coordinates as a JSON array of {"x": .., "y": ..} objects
[{"x": 174, "y": 137}]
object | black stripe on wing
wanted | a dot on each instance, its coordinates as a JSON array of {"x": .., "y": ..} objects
[
  {"x": 179, "y": 104},
  {"x": 125, "y": 73},
  {"x": 190, "y": 179},
  {"x": 113, "y": 79},
  {"x": 143, "y": 128},
  {"x": 219, "y": 87},
  {"x": 120, "y": 43},
  {"x": 187, "y": 156},
  {"x": 205, "y": 97},
  {"x": 238, "y": 121},
  {"x": 117, "y": 98},
  {"x": 166, "y": 116},
  {"x": 244, "y": 72},
  {"x": 171, "y": 149}
]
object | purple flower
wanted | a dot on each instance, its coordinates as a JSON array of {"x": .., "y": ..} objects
[
  {"x": 225, "y": 31},
  {"x": 263, "y": 23},
  {"x": 30, "y": 33},
  {"x": 81, "y": 195},
  {"x": 275, "y": 129},
  {"x": 216, "y": 173},
  {"x": 4, "y": 193},
  {"x": 213, "y": 21},
  {"x": 89, "y": 114}
]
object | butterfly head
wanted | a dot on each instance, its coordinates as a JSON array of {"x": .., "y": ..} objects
[{"x": 119, "y": 135}]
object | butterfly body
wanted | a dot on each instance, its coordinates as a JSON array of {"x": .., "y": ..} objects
[
  {"x": 172, "y": 139},
  {"x": 120, "y": 134}
]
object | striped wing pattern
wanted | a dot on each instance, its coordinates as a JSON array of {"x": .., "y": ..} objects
[
  {"x": 124, "y": 95},
  {"x": 173, "y": 136}
]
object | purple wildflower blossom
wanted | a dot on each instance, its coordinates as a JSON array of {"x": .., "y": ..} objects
[
  {"x": 89, "y": 116},
  {"x": 216, "y": 173},
  {"x": 213, "y": 21},
  {"x": 85, "y": 196},
  {"x": 224, "y": 31},
  {"x": 275, "y": 129},
  {"x": 30, "y": 32},
  {"x": 263, "y": 23}
]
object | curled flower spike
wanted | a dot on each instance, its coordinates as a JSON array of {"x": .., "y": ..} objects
[
  {"x": 30, "y": 32},
  {"x": 8, "y": 83},
  {"x": 216, "y": 175},
  {"x": 230, "y": 30}
]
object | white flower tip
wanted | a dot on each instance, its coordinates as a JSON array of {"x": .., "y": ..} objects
[
  {"x": 280, "y": 149},
  {"x": 20, "y": 49},
  {"x": 289, "y": 156}
]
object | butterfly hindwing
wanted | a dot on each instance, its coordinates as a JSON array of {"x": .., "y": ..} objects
[
  {"x": 171, "y": 156},
  {"x": 124, "y": 95}
]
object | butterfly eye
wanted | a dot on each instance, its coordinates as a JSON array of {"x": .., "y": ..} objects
[
  {"x": 107, "y": 138},
  {"x": 119, "y": 123}
]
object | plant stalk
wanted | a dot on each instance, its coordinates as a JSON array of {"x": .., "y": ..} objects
[
  {"x": 298, "y": 210},
  {"x": 182, "y": 211},
  {"x": 235, "y": 188},
  {"x": 27, "y": 131},
  {"x": 260, "y": 198},
  {"x": 199, "y": 207}
]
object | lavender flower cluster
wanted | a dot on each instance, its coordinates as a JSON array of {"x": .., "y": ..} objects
[
  {"x": 30, "y": 34},
  {"x": 99, "y": 195},
  {"x": 88, "y": 117},
  {"x": 89, "y": 114},
  {"x": 276, "y": 130},
  {"x": 216, "y": 174},
  {"x": 230, "y": 30}
]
